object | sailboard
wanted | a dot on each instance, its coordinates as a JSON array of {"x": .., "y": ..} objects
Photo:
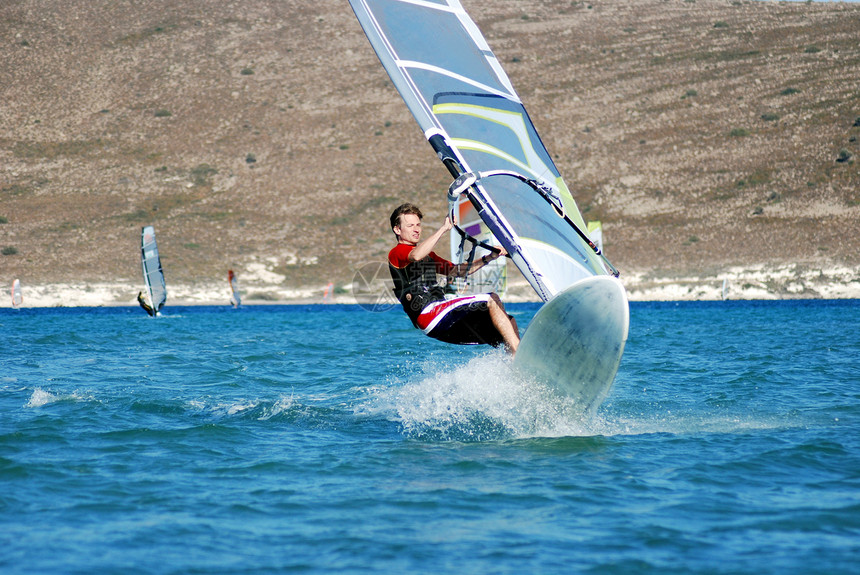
[
  {"x": 328, "y": 293},
  {"x": 153, "y": 276},
  {"x": 476, "y": 123},
  {"x": 17, "y": 298},
  {"x": 235, "y": 296}
]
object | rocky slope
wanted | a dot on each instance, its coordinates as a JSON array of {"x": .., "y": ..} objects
[{"x": 263, "y": 135}]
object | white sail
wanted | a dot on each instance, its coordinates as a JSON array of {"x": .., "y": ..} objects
[{"x": 153, "y": 276}]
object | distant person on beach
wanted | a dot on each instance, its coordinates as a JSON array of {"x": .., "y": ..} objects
[{"x": 470, "y": 319}]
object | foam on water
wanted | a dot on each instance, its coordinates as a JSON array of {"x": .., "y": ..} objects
[
  {"x": 260, "y": 409},
  {"x": 611, "y": 423},
  {"x": 40, "y": 398}
]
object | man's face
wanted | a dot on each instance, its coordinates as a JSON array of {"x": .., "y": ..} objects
[{"x": 409, "y": 229}]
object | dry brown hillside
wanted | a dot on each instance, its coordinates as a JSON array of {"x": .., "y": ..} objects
[{"x": 704, "y": 134}]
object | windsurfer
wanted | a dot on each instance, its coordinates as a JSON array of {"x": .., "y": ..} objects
[
  {"x": 471, "y": 319},
  {"x": 142, "y": 301}
]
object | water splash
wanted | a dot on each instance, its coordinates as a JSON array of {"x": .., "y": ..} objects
[
  {"x": 485, "y": 399},
  {"x": 39, "y": 397}
]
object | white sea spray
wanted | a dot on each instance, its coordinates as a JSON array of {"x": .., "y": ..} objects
[
  {"x": 485, "y": 398},
  {"x": 40, "y": 397}
]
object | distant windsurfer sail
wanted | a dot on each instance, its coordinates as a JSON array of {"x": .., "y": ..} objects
[
  {"x": 235, "y": 296},
  {"x": 17, "y": 298},
  {"x": 473, "y": 118},
  {"x": 153, "y": 276}
]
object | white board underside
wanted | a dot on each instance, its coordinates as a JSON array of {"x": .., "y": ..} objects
[{"x": 575, "y": 341}]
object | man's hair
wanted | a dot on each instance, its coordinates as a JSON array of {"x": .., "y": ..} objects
[{"x": 406, "y": 208}]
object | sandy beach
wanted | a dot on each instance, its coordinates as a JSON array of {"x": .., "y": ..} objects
[{"x": 759, "y": 283}]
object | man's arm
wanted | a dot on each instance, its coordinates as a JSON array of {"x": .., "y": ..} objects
[
  {"x": 460, "y": 270},
  {"x": 423, "y": 249}
]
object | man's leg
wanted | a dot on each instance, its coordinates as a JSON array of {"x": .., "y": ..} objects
[{"x": 506, "y": 326}]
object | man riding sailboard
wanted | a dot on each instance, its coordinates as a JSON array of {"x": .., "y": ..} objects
[
  {"x": 142, "y": 300},
  {"x": 468, "y": 319}
]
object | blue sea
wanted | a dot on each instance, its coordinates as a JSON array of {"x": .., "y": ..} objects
[{"x": 333, "y": 439}]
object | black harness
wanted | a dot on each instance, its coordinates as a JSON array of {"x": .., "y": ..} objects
[{"x": 416, "y": 287}]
